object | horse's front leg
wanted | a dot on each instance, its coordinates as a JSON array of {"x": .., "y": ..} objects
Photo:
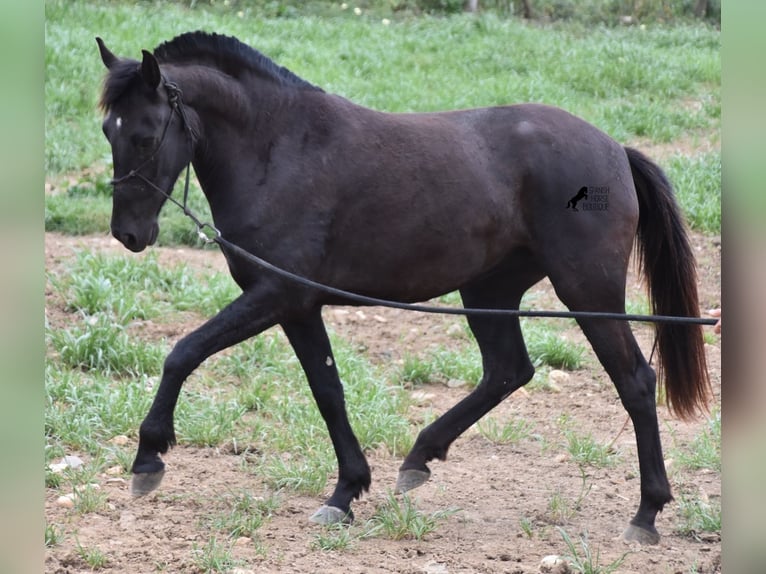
[
  {"x": 246, "y": 316},
  {"x": 312, "y": 347}
]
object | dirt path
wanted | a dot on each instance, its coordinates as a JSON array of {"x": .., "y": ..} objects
[{"x": 499, "y": 491}]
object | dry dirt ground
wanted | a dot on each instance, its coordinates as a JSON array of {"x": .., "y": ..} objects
[{"x": 495, "y": 487}]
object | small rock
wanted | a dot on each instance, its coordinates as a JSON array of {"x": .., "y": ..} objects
[
  {"x": 66, "y": 501},
  {"x": 120, "y": 440},
  {"x": 421, "y": 397},
  {"x": 114, "y": 470},
  {"x": 434, "y": 567},
  {"x": 58, "y": 467},
  {"x": 455, "y": 330},
  {"x": 119, "y": 481},
  {"x": 557, "y": 377},
  {"x": 455, "y": 383},
  {"x": 73, "y": 462},
  {"x": 241, "y": 571},
  {"x": 553, "y": 564},
  {"x": 243, "y": 541}
]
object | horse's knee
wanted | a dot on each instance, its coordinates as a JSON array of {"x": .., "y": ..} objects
[
  {"x": 638, "y": 394},
  {"x": 499, "y": 386}
]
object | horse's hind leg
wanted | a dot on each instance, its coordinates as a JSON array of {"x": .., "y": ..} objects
[
  {"x": 506, "y": 368},
  {"x": 618, "y": 352},
  {"x": 308, "y": 338}
]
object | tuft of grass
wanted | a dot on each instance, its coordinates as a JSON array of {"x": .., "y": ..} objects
[
  {"x": 244, "y": 514},
  {"x": 100, "y": 344},
  {"x": 53, "y": 535},
  {"x": 203, "y": 421},
  {"x": 89, "y": 498},
  {"x": 705, "y": 449},
  {"x": 397, "y": 518},
  {"x": 584, "y": 560},
  {"x": 214, "y": 557},
  {"x": 697, "y": 514},
  {"x": 546, "y": 347},
  {"x": 306, "y": 476},
  {"x": 416, "y": 370},
  {"x": 93, "y": 557},
  {"x": 561, "y": 508},
  {"x": 585, "y": 450},
  {"x": 334, "y": 537},
  {"x": 511, "y": 432},
  {"x": 527, "y": 527}
]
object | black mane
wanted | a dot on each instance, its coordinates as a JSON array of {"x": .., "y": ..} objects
[{"x": 224, "y": 53}]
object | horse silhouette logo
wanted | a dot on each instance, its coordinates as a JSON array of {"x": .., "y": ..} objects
[{"x": 582, "y": 194}]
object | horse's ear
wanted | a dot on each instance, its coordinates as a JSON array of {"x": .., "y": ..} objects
[
  {"x": 150, "y": 70},
  {"x": 107, "y": 57}
]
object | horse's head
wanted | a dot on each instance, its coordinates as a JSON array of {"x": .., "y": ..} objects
[{"x": 145, "y": 125}]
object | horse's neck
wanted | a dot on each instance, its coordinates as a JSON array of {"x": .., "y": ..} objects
[{"x": 213, "y": 95}]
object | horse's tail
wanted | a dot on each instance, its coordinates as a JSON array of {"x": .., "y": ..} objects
[{"x": 667, "y": 262}]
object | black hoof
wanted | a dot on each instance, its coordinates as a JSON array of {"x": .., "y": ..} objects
[
  {"x": 643, "y": 536},
  {"x": 144, "y": 482},
  {"x": 329, "y": 515},
  {"x": 411, "y": 478}
]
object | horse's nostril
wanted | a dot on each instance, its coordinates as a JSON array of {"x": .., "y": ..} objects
[{"x": 127, "y": 239}]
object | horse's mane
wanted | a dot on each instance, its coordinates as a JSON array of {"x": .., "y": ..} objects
[{"x": 224, "y": 53}]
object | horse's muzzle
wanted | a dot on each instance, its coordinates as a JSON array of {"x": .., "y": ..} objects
[{"x": 135, "y": 241}]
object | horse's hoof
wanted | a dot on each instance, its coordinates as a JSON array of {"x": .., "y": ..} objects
[
  {"x": 144, "y": 482},
  {"x": 329, "y": 515},
  {"x": 635, "y": 533},
  {"x": 411, "y": 478}
]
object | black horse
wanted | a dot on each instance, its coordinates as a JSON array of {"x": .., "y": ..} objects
[{"x": 404, "y": 207}]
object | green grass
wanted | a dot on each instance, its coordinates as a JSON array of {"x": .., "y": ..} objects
[
  {"x": 657, "y": 83},
  {"x": 697, "y": 181},
  {"x": 95, "y": 558},
  {"x": 398, "y": 518},
  {"x": 704, "y": 451},
  {"x": 697, "y": 515},
  {"x": 584, "y": 560},
  {"x": 511, "y": 432},
  {"x": 244, "y": 514},
  {"x": 214, "y": 557}
]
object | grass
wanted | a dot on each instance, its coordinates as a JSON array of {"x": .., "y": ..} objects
[
  {"x": 93, "y": 557},
  {"x": 511, "y": 432},
  {"x": 697, "y": 515},
  {"x": 704, "y": 451},
  {"x": 562, "y": 508},
  {"x": 584, "y": 561},
  {"x": 214, "y": 556},
  {"x": 656, "y": 83},
  {"x": 54, "y": 535},
  {"x": 244, "y": 514},
  {"x": 398, "y": 518}
]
